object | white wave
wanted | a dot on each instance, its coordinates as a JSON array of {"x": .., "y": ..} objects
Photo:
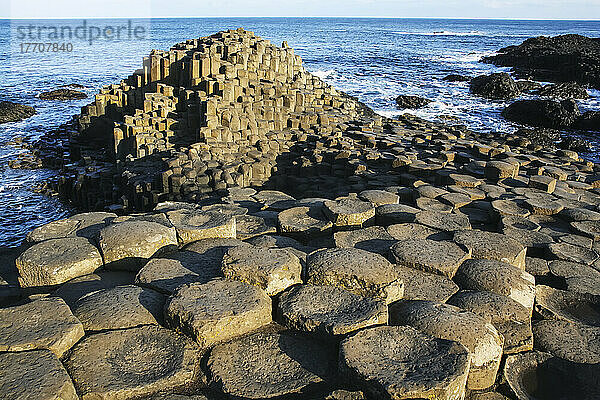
[{"x": 324, "y": 74}]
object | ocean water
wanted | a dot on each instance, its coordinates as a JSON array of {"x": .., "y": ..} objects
[{"x": 373, "y": 59}]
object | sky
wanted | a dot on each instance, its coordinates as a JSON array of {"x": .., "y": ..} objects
[{"x": 514, "y": 9}]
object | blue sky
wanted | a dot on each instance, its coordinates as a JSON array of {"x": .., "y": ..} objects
[{"x": 527, "y": 9}]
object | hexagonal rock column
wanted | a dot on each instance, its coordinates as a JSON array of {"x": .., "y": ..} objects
[
  {"x": 193, "y": 225},
  {"x": 497, "y": 277},
  {"x": 390, "y": 214},
  {"x": 492, "y": 246},
  {"x": 574, "y": 342},
  {"x": 420, "y": 285},
  {"x": 374, "y": 239},
  {"x": 272, "y": 270},
  {"x": 41, "y": 324},
  {"x": 328, "y": 310},
  {"x": 76, "y": 288},
  {"x": 85, "y": 225},
  {"x": 266, "y": 365},
  {"x": 348, "y": 212},
  {"x": 511, "y": 319},
  {"x": 562, "y": 305},
  {"x": 34, "y": 375},
  {"x": 57, "y": 261},
  {"x": 379, "y": 197},
  {"x": 131, "y": 363},
  {"x": 443, "y": 222},
  {"x": 128, "y": 245},
  {"x": 537, "y": 375},
  {"x": 303, "y": 223},
  {"x": 357, "y": 271},
  {"x": 218, "y": 311},
  {"x": 402, "y": 363},
  {"x": 448, "y": 322},
  {"x": 120, "y": 307},
  {"x": 441, "y": 258}
]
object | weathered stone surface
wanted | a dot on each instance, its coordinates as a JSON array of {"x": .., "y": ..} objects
[
  {"x": 345, "y": 395},
  {"x": 543, "y": 113},
  {"x": 420, "y": 285},
  {"x": 389, "y": 214},
  {"x": 303, "y": 222},
  {"x": 416, "y": 231},
  {"x": 590, "y": 229},
  {"x": 542, "y": 182},
  {"x": 358, "y": 271},
  {"x": 536, "y": 266},
  {"x": 438, "y": 257},
  {"x": 379, "y": 197},
  {"x": 411, "y": 102},
  {"x": 266, "y": 365},
  {"x": 275, "y": 241},
  {"x": 544, "y": 206},
  {"x": 448, "y": 322},
  {"x": 120, "y": 307},
  {"x": 218, "y": 311},
  {"x": 41, "y": 324},
  {"x": 496, "y": 170},
  {"x": 492, "y": 246},
  {"x": 273, "y": 270},
  {"x": 579, "y": 214},
  {"x": 374, "y": 239},
  {"x": 131, "y": 363},
  {"x": 389, "y": 362},
  {"x": 198, "y": 262},
  {"x": 193, "y": 225},
  {"x": 62, "y": 94},
  {"x": 562, "y": 305},
  {"x": 530, "y": 239},
  {"x": 433, "y": 205},
  {"x": 57, "y": 261},
  {"x": 349, "y": 212},
  {"x": 571, "y": 341},
  {"x": 537, "y": 375},
  {"x": 76, "y": 288},
  {"x": 579, "y": 278},
  {"x": 443, "y": 222},
  {"x": 129, "y": 245},
  {"x": 226, "y": 209},
  {"x": 328, "y": 310},
  {"x": 249, "y": 226},
  {"x": 86, "y": 225},
  {"x": 569, "y": 252},
  {"x": 509, "y": 208},
  {"x": 510, "y": 318},
  {"x": 497, "y": 277},
  {"x": 34, "y": 375}
]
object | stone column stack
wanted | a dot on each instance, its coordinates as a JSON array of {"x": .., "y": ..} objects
[{"x": 208, "y": 114}]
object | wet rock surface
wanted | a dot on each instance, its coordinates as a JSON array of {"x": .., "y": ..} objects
[
  {"x": 62, "y": 94},
  {"x": 411, "y": 102},
  {"x": 13, "y": 112},
  {"x": 496, "y": 86}
]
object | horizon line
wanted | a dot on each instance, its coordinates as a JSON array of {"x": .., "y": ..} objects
[{"x": 311, "y": 16}]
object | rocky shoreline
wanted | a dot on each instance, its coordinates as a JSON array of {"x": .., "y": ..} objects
[{"x": 255, "y": 234}]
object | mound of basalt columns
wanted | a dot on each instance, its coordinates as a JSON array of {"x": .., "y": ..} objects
[{"x": 243, "y": 271}]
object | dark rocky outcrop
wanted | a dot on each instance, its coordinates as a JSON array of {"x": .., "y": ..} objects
[
  {"x": 589, "y": 121},
  {"x": 527, "y": 86},
  {"x": 543, "y": 113},
  {"x": 457, "y": 78},
  {"x": 62, "y": 94},
  {"x": 495, "y": 86},
  {"x": 411, "y": 102},
  {"x": 564, "y": 90},
  {"x": 555, "y": 59},
  {"x": 13, "y": 112}
]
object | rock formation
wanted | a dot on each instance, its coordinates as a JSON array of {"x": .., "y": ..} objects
[
  {"x": 554, "y": 59},
  {"x": 13, "y": 112}
]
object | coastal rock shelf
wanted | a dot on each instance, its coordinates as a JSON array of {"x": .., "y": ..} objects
[{"x": 339, "y": 256}]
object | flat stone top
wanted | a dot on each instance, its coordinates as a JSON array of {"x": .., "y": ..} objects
[
  {"x": 197, "y": 219},
  {"x": 348, "y": 206},
  {"x": 429, "y": 255},
  {"x": 131, "y": 362},
  {"x": 34, "y": 375},
  {"x": 329, "y": 309},
  {"x": 216, "y": 299},
  {"x": 395, "y": 357},
  {"x": 45, "y": 323},
  {"x": 351, "y": 262},
  {"x": 58, "y": 254},
  {"x": 266, "y": 365},
  {"x": 258, "y": 258}
]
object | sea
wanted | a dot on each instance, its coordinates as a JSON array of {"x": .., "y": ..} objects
[{"x": 372, "y": 59}]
